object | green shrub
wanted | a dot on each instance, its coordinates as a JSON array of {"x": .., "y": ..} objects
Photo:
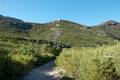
[
  {"x": 107, "y": 69},
  {"x": 102, "y": 63},
  {"x": 17, "y": 60},
  {"x": 26, "y": 49},
  {"x": 12, "y": 67}
]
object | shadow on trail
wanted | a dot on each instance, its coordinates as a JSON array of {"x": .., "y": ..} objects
[{"x": 45, "y": 72}]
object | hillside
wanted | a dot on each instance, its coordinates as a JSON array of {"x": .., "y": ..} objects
[
  {"x": 24, "y": 46},
  {"x": 62, "y": 31},
  {"x": 111, "y": 27},
  {"x": 13, "y": 27}
]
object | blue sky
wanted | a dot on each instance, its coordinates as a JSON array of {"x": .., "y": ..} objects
[{"x": 89, "y": 12}]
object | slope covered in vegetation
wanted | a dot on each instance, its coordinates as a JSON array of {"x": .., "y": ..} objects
[
  {"x": 62, "y": 31},
  {"x": 25, "y": 45}
]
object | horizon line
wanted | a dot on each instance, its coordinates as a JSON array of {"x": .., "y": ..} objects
[{"x": 52, "y": 20}]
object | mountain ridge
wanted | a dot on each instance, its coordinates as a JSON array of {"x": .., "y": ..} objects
[
  {"x": 63, "y": 31},
  {"x": 60, "y": 20}
]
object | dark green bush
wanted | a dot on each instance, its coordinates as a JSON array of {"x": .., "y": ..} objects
[
  {"x": 11, "y": 69},
  {"x": 107, "y": 69},
  {"x": 17, "y": 57}
]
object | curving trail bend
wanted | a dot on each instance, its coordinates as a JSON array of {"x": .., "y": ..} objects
[{"x": 45, "y": 72}]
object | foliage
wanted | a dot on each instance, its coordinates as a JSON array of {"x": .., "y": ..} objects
[
  {"x": 11, "y": 69},
  {"x": 17, "y": 57},
  {"x": 63, "y": 31},
  {"x": 100, "y": 63},
  {"x": 19, "y": 52}
]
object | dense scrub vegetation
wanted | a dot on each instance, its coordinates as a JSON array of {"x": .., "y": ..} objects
[
  {"x": 24, "y": 45},
  {"x": 62, "y": 31},
  {"x": 19, "y": 56},
  {"x": 102, "y": 63}
]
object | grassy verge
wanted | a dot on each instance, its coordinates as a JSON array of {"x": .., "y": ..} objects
[{"x": 102, "y": 63}]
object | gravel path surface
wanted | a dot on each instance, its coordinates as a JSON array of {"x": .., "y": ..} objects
[{"x": 45, "y": 72}]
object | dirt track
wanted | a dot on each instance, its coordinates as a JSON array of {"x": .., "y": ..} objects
[{"x": 45, "y": 72}]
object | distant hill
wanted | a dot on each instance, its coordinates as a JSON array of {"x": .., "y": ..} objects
[
  {"x": 13, "y": 27},
  {"x": 111, "y": 27},
  {"x": 62, "y": 31},
  {"x": 8, "y": 22}
]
